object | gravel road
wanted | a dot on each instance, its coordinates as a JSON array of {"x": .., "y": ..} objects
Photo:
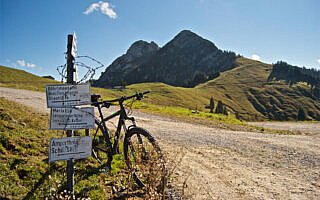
[
  {"x": 298, "y": 127},
  {"x": 212, "y": 163}
]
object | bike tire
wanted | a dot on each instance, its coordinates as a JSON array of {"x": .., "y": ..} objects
[
  {"x": 100, "y": 149},
  {"x": 145, "y": 160}
]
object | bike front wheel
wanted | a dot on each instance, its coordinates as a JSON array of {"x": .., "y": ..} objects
[{"x": 145, "y": 160}]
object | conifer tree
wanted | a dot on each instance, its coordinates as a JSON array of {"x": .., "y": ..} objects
[
  {"x": 211, "y": 105},
  {"x": 301, "y": 115},
  {"x": 219, "y": 108},
  {"x": 225, "y": 110}
]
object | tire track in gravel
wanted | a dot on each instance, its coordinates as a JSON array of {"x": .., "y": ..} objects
[{"x": 222, "y": 164}]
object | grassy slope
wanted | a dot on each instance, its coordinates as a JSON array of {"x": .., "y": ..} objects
[
  {"x": 24, "y": 168},
  {"x": 20, "y": 79},
  {"x": 246, "y": 90},
  {"x": 24, "y": 139},
  {"x": 232, "y": 87},
  {"x": 243, "y": 89},
  {"x": 178, "y": 101}
]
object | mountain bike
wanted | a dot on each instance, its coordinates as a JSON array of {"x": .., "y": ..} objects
[{"x": 142, "y": 153}]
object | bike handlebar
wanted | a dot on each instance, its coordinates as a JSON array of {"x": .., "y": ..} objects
[
  {"x": 107, "y": 103},
  {"x": 139, "y": 96}
]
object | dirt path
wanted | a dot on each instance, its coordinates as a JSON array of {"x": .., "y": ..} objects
[
  {"x": 299, "y": 127},
  {"x": 214, "y": 163}
]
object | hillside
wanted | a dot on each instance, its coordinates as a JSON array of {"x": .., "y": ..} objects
[
  {"x": 294, "y": 74},
  {"x": 177, "y": 100},
  {"x": 24, "y": 169},
  {"x": 15, "y": 78},
  {"x": 244, "y": 90},
  {"x": 186, "y": 61}
]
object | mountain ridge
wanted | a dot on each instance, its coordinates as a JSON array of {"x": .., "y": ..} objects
[{"x": 186, "y": 60}]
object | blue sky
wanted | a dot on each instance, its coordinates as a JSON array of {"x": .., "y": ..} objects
[{"x": 33, "y": 33}]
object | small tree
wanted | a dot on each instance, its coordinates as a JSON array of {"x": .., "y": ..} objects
[
  {"x": 211, "y": 105},
  {"x": 198, "y": 77},
  {"x": 301, "y": 115},
  {"x": 219, "y": 108},
  {"x": 225, "y": 110},
  {"x": 237, "y": 115}
]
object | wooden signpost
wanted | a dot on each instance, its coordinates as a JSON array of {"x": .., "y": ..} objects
[
  {"x": 70, "y": 148},
  {"x": 65, "y": 115},
  {"x": 72, "y": 118},
  {"x": 61, "y": 96}
]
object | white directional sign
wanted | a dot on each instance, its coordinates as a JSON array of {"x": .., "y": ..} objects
[
  {"x": 70, "y": 148},
  {"x": 72, "y": 118},
  {"x": 67, "y": 95},
  {"x": 74, "y": 46}
]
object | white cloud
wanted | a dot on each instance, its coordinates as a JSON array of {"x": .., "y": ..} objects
[
  {"x": 23, "y": 63},
  {"x": 318, "y": 60},
  {"x": 91, "y": 8},
  {"x": 105, "y": 8},
  {"x": 255, "y": 57}
]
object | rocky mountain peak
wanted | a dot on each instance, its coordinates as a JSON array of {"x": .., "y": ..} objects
[
  {"x": 186, "y": 61},
  {"x": 186, "y": 33},
  {"x": 141, "y": 48},
  {"x": 188, "y": 39}
]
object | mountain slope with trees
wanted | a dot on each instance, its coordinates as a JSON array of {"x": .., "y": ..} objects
[
  {"x": 186, "y": 61},
  {"x": 293, "y": 74},
  {"x": 245, "y": 91}
]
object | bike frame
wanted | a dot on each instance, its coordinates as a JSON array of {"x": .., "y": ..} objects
[{"x": 121, "y": 125}]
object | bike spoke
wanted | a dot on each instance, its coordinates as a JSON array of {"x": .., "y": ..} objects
[{"x": 145, "y": 160}]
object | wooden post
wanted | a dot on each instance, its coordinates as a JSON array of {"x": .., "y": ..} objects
[{"x": 70, "y": 71}]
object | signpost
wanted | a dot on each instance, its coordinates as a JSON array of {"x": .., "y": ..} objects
[
  {"x": 64, "y": 115},
  {"x": 72, "y": 118},
  {"x": 70, "y": 148},
  {"x": 59, "y": 96}
]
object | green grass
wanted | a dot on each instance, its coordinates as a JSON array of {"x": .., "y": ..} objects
[
  {"x": 24, "y": 141},
  {"x": 237, "y": 87},
  {"x": 24, "y": 167},
  {"x": 188, "y": 114},
  {"x": 163, "y": 99},
  {"x": 15, "y": 78}
]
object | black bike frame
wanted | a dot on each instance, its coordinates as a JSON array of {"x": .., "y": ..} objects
[{"x": 121, "y": 124}]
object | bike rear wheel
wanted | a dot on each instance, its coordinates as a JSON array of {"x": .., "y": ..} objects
[
  {"x": 145, "y": 160},
  {"x": 100, "y": 150}
]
